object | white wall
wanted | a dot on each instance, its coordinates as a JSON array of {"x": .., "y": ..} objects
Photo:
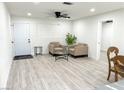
[
  {"x": 5, "y": 45},
  {"x": 107, "y": 35},
  {"x": 44, "y": 31},
  {"x": 87, "y": 30}
]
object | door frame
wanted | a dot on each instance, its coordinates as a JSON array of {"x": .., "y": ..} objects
[
  {"x": 14, "y": 37},
  {"x": 99, "y": 35}
]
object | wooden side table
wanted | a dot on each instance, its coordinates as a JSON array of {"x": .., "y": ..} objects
[{"x": 36, "y": 50}]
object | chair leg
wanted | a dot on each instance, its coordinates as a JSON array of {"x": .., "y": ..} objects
[
  {"x": 109, "y": 74},
  {"x": 116, "y": 76}
]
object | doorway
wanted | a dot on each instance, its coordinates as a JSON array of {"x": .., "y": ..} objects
[
  {"x": 105, "y": 38},
  {"x": 22, "y": 39}
]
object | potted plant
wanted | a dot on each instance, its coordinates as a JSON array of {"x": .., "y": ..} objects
[{"x": 70, "y": 39}]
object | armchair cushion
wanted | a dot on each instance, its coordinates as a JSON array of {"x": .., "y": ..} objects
[
  {"x": 71, "y": 49},
  {"x": 79, "y": 49},
  {"x": 55, "y": 46},
  {"x": 58, "y": 48}
]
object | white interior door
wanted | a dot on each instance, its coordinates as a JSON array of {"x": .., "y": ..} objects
[
  {"x": 107, "y": 35},
  {"x": 22, "y": 39},
  {"x": 99, "y": 36}
]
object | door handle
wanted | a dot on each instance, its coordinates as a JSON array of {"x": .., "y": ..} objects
[
  {"x": 12, "y": 42},
  {"x": 29, "y": 41}
]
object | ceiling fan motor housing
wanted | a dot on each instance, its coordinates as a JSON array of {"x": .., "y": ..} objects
[{"x": 58, "y": 14}]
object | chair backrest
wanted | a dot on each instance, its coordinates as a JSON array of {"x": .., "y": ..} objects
[
  {"x": 119, "y": 64},
  {"x": 54, "y": 44},
  {"x": 119, "y": 60},
  {"x": 112, "y": 50}
]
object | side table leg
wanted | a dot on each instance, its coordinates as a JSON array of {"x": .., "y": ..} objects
[
  {"x": 41, "y": 51},
  {"x": 67, "y": 57},
  {"x": 35, "y": 51},
  {"x": 55, "y": 58}
]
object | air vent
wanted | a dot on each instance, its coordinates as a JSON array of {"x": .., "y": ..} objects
[
  {"x": 67, "y": 3},
  {"x": 109, "y": 21}
]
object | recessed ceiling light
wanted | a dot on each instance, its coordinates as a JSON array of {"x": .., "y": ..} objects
[
  {"x": 29, "y": 14},
  {"x": 36, "y": 3},
  {"x": 92, "y": 10}
]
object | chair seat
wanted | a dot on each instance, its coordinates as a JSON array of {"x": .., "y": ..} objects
[
  {"x": 71, "y": 49},
  {"x": 58, "y": 49},
  {"x": 120, "y": 70}
]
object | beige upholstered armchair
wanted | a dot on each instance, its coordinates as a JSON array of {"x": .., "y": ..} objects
[
  {"x": 55, "y": 47},
  {"x": 79, "y": 49}
]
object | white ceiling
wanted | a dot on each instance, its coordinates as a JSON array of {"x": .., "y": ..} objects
[{"x": 46, "y": 9}]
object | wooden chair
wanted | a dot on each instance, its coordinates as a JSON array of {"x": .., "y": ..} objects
[
  {"x": 118, "y": 66},
  {"x": 110, "y": 50}
]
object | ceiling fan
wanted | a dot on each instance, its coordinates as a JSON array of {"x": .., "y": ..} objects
[{"x": 60, "y": 15}]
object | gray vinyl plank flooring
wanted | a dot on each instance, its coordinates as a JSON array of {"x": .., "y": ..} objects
[{"x": 43, "y": 73}]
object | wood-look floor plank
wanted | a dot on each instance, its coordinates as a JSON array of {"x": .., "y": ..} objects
[{"x": 42, "y": 72}]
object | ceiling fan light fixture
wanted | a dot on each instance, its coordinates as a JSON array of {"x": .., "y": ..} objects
[{"x": 58, "y": 14}]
